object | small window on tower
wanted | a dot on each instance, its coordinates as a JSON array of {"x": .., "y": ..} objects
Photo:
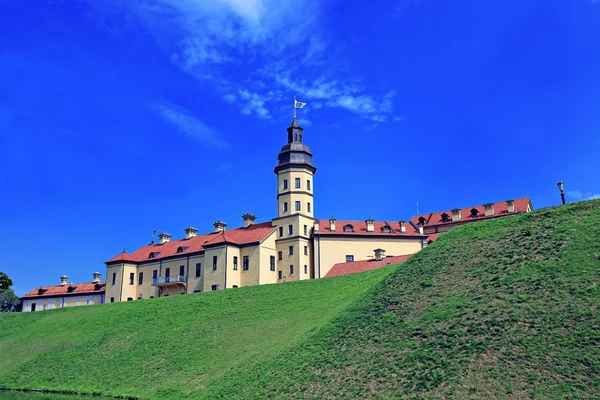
[
  {"x": 291, "y": 250},
  {"x": 305, "y": 250},
  {"x": 280, "y": 231},
  {"x": 297, "y": 183},
  {"x": 308, "y": 207},
  {"x": 290, "y": 229},
  {"x": 297, "y": 206},
  {"x": 285, "y": 185},
  {"x": 308, "y": 184},
  {"x": 285, "y": 207},
  {"x": 305, "y": 230},
  {"x": 280, "y": 255},
  {"x": 291, "y": 270}
]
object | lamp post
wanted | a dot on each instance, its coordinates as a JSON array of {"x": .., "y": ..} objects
[{"x": 561, "y": 187}]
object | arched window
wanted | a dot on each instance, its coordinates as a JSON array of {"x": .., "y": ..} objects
[
  {"x": 386, "y": 229},
  {"x": 445, "y": 217},
  {"x": 348, "y": 228},
  {"x": 474, "y": 213},
  {"x": 152, "y": 254},
  {"x": 181, "y": 249},
  {"x": 421, "y": 221},
  {"x": 295, "y": 137}
]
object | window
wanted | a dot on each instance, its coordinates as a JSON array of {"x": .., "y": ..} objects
[
  {"x": 155, "y": 274},
  {"x": 386, "y": 229},
  {"x": 182, "y": 270},
  {"x": 152, "y": 255},
  {"x": 444, "y": 219},
  {"x": 198, "y": 269},
  {"x": 308, "y": 207},
  {"x": 114, "y": 277},
  {"x": 280, "y": 255},
  {"x": 214, "y": 263},
  {"x": 140, "y": 278},
  {"x": 305, "y": 250},
  {"x": 474, "y": 213},
  {"x": 297, "y": 206},
  {"x": 297, "y": 183},
  {"x": 272, "y": 263},
  {"x": 291, "y": 270},
  {"x": 235, "y": 286},
  {"x": 348, "y": 228},
  {"x": 235, "y": 263},
  {"x": 112, "y": 299},
  {"x": 179, "y": 250},
  {"x": 290, "y": 229},
  {"x": 167, "y": 272},
  {"x": 285, "y": 206},
  {"x": 308, "y": 184},
  {"x": 285, "y": 185},
  {"x": 279, "y": 275},
  {"x": 246, "y": 263},
  {"x": 305, "y": 269},
  {"x": 33, "y": 306},
  {"x": 349, "y": 258},
  {"x": 291, "y": 250},
  {"x": 131, "y": 278},
  {"x": 215, "y": 287},
  {"x": 130, "y": 299},
  {"x": 280, "y": 231}
]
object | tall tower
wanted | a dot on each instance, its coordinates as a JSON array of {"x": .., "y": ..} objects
[{"x": 295, "y": 220}]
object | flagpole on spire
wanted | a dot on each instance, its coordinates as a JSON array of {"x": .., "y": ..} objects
[{"x": 294, "y": 107}]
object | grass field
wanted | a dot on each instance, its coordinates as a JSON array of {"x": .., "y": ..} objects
[
  {"x": 500, "y": 309},
  {"x": 172, "y": 347}
]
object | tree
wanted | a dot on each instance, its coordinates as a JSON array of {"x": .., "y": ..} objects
[
  {"x": 5, "y": 281},
  {"x": 9, "y": 302}
]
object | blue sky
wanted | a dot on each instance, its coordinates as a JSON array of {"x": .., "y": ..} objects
[{"x": 120, "y": 117}]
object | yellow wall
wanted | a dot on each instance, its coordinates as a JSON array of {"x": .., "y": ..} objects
[{"x": 333, "y": 250}]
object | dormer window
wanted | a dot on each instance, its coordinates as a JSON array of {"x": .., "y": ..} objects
[
  {"x": 421, "y": 220},
  {"x": 181, "y": 249},
  {"x": 474, "y": 213},
  {"x": 71, "y": 289},
  {"x": 153, "y": 254},
  {"x": 348, "y": 228},
  {"x": 445, "y": 217},
  {"x": 386, "y": 229}
]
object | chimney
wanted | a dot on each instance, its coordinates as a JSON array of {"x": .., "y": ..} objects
[
  {"x": 248, "y": 219},
  {"x": 379, "y": 254},
  {"x": 370, "y": 224},
  {"x": 316, "y": 225},
  {"x": 421, "y": 232},
  {"x": 96, "y": 277},
  {"x": 456, "y": 215},
  {"x": 64, "y": 280},
  {"x": 511, "y": 206},
  {"x": 219, "y": 226},
  {"x": 332, "y": 224},
  {"x": 190, "y": 232},
  {"x": 402, "y": 226},
  {"x": 489, "y": 209},
  {"x": 163, "y": 238}
]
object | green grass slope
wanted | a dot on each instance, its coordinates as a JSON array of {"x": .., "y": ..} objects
[
  {"x": 500, "y": 309},
  {"x": 174, "y": 347}
]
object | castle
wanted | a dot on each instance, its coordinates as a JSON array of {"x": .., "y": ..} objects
[{"x": 292, "y": 246}]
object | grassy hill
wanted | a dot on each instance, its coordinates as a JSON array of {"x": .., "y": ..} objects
[
  {"x": 504, "y": 308},
  {"x": 172, "y": 347}
]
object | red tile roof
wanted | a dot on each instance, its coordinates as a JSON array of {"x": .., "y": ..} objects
[
  {"x": 241, "y": 236},
  {"x": 58, "y": 290},
  {"x": 500, "y": 209},
  {"x": 360, "y": 228},
  {"x": 364, "y": 265},
  {"x": 432, "y": 237}
]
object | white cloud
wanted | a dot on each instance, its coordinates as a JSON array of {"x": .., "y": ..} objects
[
  {"x": 190, "y": 126},
  {"x": 269, "y": 50},
  {"x": 577, "y": 195},
  {"x": 253, "y": 103}
]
